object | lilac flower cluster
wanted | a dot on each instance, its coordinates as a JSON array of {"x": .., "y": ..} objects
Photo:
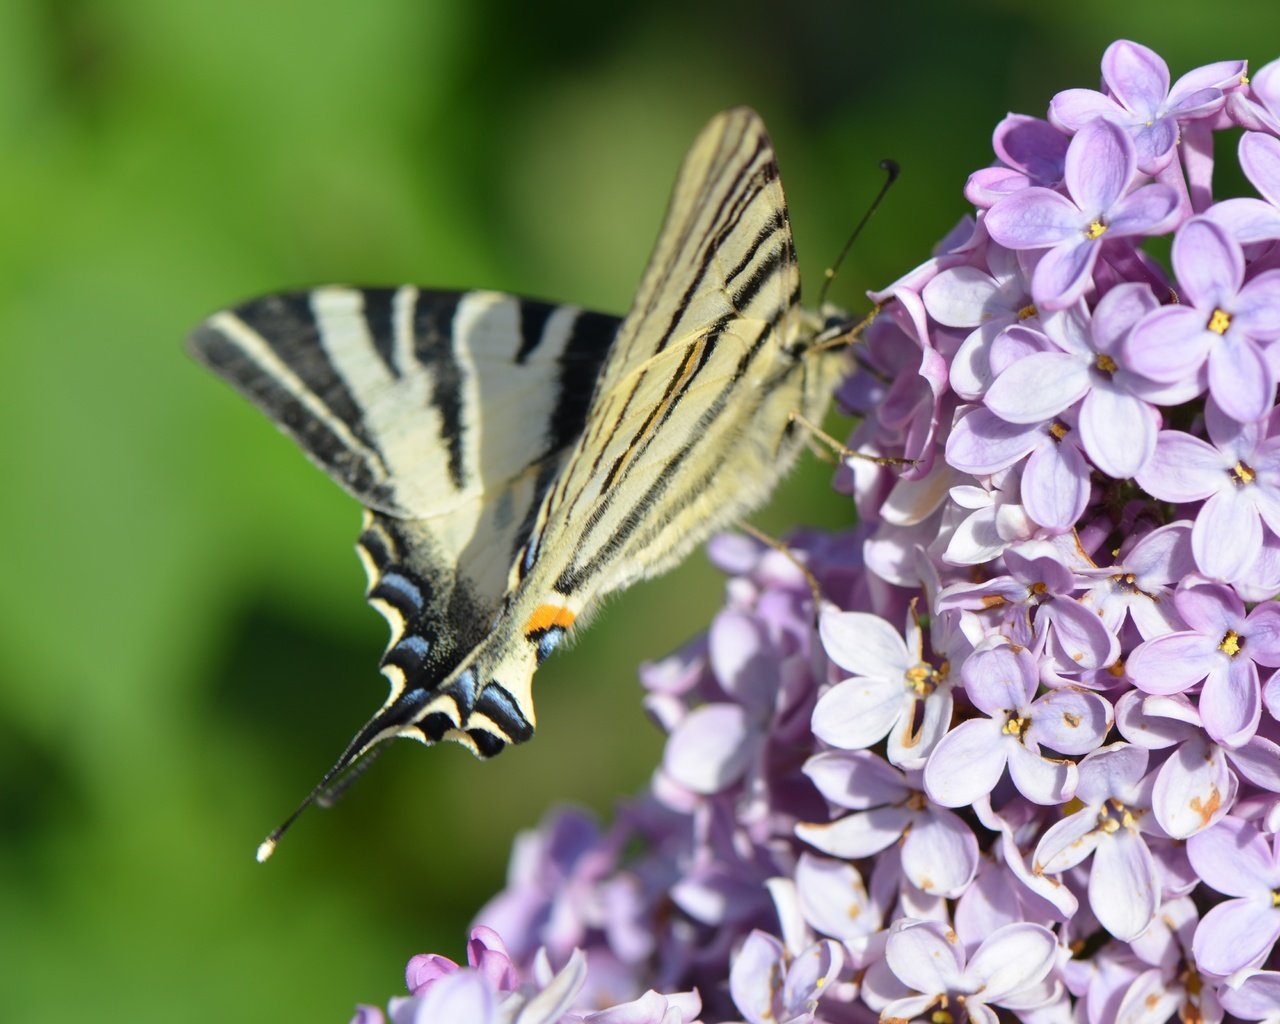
[{"x": 1027, "y": 767}]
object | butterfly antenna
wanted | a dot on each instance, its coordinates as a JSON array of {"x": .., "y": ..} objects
[{"x": 891, "y": 169}]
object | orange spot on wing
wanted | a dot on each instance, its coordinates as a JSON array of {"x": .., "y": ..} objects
[{"x": 546, "y": 616}]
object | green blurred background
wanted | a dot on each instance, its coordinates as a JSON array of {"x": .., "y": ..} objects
[{"x": 183, "y": 643}]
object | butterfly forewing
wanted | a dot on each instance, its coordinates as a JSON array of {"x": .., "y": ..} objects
[{"x": 519, "y": 460}]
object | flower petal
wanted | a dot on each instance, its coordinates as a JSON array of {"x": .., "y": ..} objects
[
  {"x": 1118, "y": 431},
  {"x": 1011, "y": 958},
  {"x": 1042, "y": 780},
  {"x": 1227, "y": 536},
  {"x": 1171, "y": 663},
  {"x": 857, "y": 835},
  {"x": 1055, "y": 486},
  {"x": 1233, "y": 857},
  {"x": 1000, "y": 680},
  {"x": 833, "y": 898},
  {"x": 1065, "y": 273},
  {"x": 857, "y": 712},
  {"x": 1067, "y": 842},
  {"x": 966, "y": 764},
  {"x": 1034, "y": 218},
  {"x": 1099, "y": 166},
  {"x": 940, "y": 853},
  {"x": 1137, "y": 76},
  {"x": 1069, "y": 720},
  {"x": 925, "y": 955},
  {"x": 708, "y": 751},
  {"x": 755, "y": 978},
  {"x": 862, "y": 644},
  {"x": 1235, "y": 934},
  {"x": 1193, "y": 789},
  {"x": 856, "y": 779},
  {"x": 1253, "y": 997},
  {"x": 1038, "y": 387},
  {"x": 1124, "y": 890},
  {"x": 1231, "y": 702},
  {"x": 1169, "y": 344},
  {"x": 981, "y": 442}
]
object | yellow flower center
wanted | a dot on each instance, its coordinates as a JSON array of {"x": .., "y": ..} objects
[
  {"x": 1015, "y": 727},
  {"x": 922, "y": 679},
  {"x": 1219, "y": 321},
  {"x": 1105, "y": 363},
  {"x": 1027, "y": 311},
  {"x": 1243, "y": 473},
  {"x": 1231, "y": 644},
  {"x": 1058, "y": 430},
  {"x": 1114, "y": 815},
  {"x": 1096, "y": 229}
]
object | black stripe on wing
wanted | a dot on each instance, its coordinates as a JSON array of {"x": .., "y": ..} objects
[{"x": 269, "y": 350}]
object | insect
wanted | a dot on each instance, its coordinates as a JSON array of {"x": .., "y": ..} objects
[{"x": 519, "y": 460}]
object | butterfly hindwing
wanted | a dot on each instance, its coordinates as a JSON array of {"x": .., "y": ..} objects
[{"x": 448, "y": 414}]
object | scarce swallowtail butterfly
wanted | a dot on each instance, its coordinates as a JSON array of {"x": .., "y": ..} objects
[{"x": 518, "y": 460}]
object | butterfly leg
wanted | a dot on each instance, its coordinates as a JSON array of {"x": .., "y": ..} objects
[{"x": 816, "y": 433}]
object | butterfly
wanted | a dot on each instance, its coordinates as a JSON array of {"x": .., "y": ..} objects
[{"x": 519, "y": 460}]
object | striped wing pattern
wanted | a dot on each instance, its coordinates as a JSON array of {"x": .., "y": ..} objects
[
  {"x": 517, "y": 460},
  {"x": 384, "y": 389}
]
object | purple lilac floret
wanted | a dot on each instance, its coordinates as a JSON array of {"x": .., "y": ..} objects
[{"x": 1022, "y": 762}]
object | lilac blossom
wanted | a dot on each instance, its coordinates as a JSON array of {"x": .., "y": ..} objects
[
  {"x": 939, "y": 852},
  {"x": 1124, "y": 886},
  {"x": 1222, "y": 322},
  {"x": 1236, "y": 473},
  {"x": 1238, "y": 860},
  {"x": 1031, "y": 152},
  {"x": 1118, "y": 424},
  {"x": 1257, "y": 108},
  {"x": 1195, "y": 786},
  {"x": 1100, "y": 167},
  {"x": 851, "y": 821},
  {"x": 986, "y": 300},
  {"x": 1055, "y": 477},
  {"x": 1037, "y": 609},
  {"x": 931, "y": 969},
  {"x": 1139, "y": 585},
  {"x": 1141, "y": 100},
  {"x": 890, "y": 679},
  {"x": 1223, "y": 647},
  {"x": 969, "y": 761}
]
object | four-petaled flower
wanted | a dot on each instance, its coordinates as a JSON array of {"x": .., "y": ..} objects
[
  {"x": 928, "y": 960},
  {"x": 1224, "y": 647},
  {"x": 1222, "y": 321},
  {"x": 1142, "y": 101},
  {"x": 1100, "y": 167},
  {"x": 1235, "y": 858},
  {"x": 939, "y": 851},
  {"x": 1115, "y": 797},
  {"x": 1237, "y": 475},
  {"x": 893, "y": 691},
  {"x": 1001, "y": 682}
]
